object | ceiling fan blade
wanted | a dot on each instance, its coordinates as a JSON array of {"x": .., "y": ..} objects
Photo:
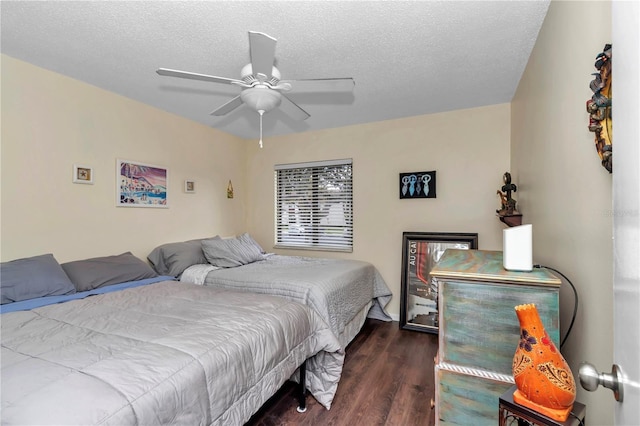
[
  {"x": 321, "y": 85},
  {"x": 194, "y": 76},
  {"x": 292, "y": 109},
  {"x": 263, "y": 52},
  {"x": 228, "y": 107}
]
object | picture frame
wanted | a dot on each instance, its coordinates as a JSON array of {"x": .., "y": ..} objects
[
  {"x": 417, "y": 185},
  {"x": 419, "y": 295},
  {"x": 189, "y": 186},
  {"x": 141, "y": 185},
  {"x": 82, "y": 174}
]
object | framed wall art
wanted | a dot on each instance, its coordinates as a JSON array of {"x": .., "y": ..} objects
[
  {"x": 82, "y": 174},
  {"x": 419, "y": 295},
  {"x": 141, "y": 185},
  {"x": 189, "y": 186},
  {"x": 418, "y": 185}
]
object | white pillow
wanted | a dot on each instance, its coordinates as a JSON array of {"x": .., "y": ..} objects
[{"x": 196, "y": 274}]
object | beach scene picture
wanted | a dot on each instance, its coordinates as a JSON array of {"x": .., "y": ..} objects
[{"x": 141, "y": 185}]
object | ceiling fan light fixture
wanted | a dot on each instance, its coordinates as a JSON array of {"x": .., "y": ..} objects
[
  {"x": 261, "y": 98},
  {"x": 261, "y": 82}
]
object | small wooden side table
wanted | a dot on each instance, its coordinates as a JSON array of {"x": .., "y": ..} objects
[{"x": 512, "y": 414}]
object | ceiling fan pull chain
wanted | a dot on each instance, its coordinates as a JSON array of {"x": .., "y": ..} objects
[{"x": 261, "y": 112}]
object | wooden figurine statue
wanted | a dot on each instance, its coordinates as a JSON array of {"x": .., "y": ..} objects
[{"x": 508, "y": 204}]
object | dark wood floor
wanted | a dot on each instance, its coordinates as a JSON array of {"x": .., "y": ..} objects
[{"x": 387, "y": 380}]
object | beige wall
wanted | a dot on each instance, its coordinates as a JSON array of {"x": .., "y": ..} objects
[
  {"x": 50, "y": 122},
  {"x": 468, "y": 149},
  {"x": 562, "y": 188}
]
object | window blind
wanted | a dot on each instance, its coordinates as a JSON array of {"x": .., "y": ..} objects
[{"x": 314, "y": 205}]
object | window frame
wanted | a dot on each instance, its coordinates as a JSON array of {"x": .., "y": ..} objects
[{"x": 313, "y": 231}]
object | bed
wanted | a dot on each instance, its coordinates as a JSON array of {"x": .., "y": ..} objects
[
  {"x": 343, "y": 292},
  {"x": 151, "y": 350}
]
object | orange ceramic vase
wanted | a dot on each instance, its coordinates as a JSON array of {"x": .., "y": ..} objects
[{"x": 543, "y": 377}]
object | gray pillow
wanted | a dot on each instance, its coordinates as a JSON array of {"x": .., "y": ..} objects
[
  {"x": 173, "y": 258},
  {"x": 108, "y": 270},
  {"x": 231, "y": 252},
  {"x": 248, "y": 239},
  {"x": 33, "y": 277}
]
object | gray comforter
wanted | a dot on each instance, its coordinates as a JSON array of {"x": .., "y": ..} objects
[
  {"x": 335, "y": 288},
  {"x": 166, "y": 353}
]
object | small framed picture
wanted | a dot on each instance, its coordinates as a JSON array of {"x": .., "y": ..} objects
[
  {"x": 189, "y": 186},
  {"x": 82, "y": 174},
  {"x": 418, "y": 185}
]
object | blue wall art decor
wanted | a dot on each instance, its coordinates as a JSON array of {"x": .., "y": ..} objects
[{"x": 418, "y": 185}]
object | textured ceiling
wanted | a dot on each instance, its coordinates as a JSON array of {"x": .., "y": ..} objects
[{"x": 407, "y": 58}]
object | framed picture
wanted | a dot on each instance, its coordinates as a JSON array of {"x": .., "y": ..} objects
[
  {"x": 141, "y": 185},
  {"x": 82, "y": 174},
  {"x": 418, "y": 185},
  {"x": 189, "y": 186},
  {"x": 419, "y": 295}
]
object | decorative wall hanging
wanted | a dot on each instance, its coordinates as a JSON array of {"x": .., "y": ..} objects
[
  {"x": 230, "y": 190},
  {"x": 141, "y": 185},
  {"x": 189, "y": 186},
  {"x": 418, "y": 185},
  {"x": 508, "y": 213},
  {"x": 419, "y": 295},
  {"x": 599, "y": 108},
  {"x": 82, "y": 174}
]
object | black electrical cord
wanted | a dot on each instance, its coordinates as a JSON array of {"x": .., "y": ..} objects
[
  {"x": 575, "y": 302},
  {"x": 577, "y": 418}
]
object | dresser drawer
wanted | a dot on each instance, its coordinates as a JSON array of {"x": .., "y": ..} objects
[
  {"x": 479, "y": 326},
  {"x": 466, "y": 400}
]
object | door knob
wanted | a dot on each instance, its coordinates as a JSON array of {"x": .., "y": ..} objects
[{"x": 590, "y": 379}]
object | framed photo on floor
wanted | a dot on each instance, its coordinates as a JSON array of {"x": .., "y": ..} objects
[{"x": 419, "y": 295}]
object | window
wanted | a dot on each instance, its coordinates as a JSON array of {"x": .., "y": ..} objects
[{"x": 314, "y": 205}]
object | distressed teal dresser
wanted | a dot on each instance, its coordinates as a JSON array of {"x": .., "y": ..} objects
[{"x": 479, "y": 330}]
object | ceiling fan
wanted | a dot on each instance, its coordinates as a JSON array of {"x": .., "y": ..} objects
[{"x": 262, "y": 88}]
